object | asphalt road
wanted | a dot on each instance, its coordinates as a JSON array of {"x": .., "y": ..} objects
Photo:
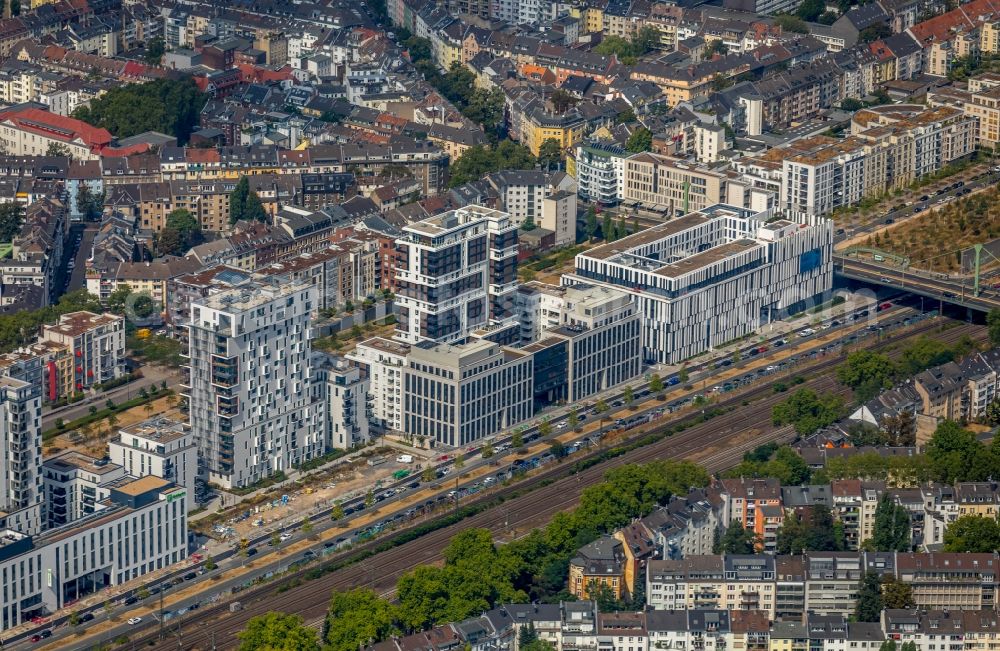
[
  {"x": 934, "y": 288},
  {"x": 704, "y": 377}
]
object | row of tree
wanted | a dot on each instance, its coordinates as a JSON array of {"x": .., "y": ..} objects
[
  {"x": 476, "y": 162},
  {"x": 477, "y": 575},
  {"x": 868, "y": 372}
]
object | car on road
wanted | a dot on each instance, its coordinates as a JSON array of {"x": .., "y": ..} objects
[
  {"x": 190, "y": 576},
  {"x": 925, "y": 198},
  {"x": 134, "y": 620},
  {"x": 38, "y": 637},
  {"x": 884, "y": 306},
  {"x": 917, "y": 209},
  {"x": 86, "y": 617},
  {"x": 250, "y": 552},
  {"x": 128, "y": 601}
]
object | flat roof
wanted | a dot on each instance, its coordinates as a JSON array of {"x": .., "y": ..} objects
[
  {"x": 705, "y": 258},
  {"x": 386, "y": 345},
  {"x": 143, "y": 485},
  {"x": 647, "y": 236},
  {"x": 73, "y": 459},
  {"x": 158, "y": 428}
]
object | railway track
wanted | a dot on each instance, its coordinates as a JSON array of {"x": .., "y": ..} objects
[{"x": 216, "y": 628}]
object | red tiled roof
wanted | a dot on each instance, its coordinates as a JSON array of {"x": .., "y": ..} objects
[
  {"x": 948, "y": 24},
  {"x": 58, "y": 127},
  {"x": 138, "y": 148},
  {"x": 201, "y": 155}
]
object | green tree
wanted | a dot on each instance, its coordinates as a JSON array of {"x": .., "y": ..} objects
[
  {"x": 874, "y": 33},
  {"x": 277, "y": 632},
  {"x": 952, "y": 451},
  {"x": 810, "y": 10},
  {"x": 641, "y": 140},
  {"x": 683, "y": 375},
  {"x": 737, "y": 540},
  {"x": 656, "y": 383},
  {"x": 867, "y": 373},
  {"x": 517, "y": 440},
  {"x": 11, "y": 220},
  {"x": 897, "y": 594},
  {"x": 608, "y": 228},
  {"x": 544, "y": 428},
  {"x": 238, "y": 200},
  {"x": 807, "y": 410},
  {"x": 306, "y": 526},
  {"x": 254, "y": 209},
  {"x": 993, "y": 326},
  {"x": 628, "y": 395},
  {"x": 337, "y": 512},
  {"x": 369, "y": 498},
  {"x": 357, "y": 618},
  {"x": 557, "y": 449},
  {"x": 57, "y": 149},
  {"x": 573, "y": 419},
  {"x": 891, "y": 532},
  {"x": 478, "y": 161},
  {"x": 591, "y": 224},
  {"x": 487, "y": 451},
  {"x": 851, "y": 104},
  {"x": 925, "y": 353},
  {"x": 562, "y": 101},
  {"x": 88, "y": 203},
  {"x": 550, "y": 153},
  {"x": 992, "y": 414},
  {"x": 869, "y": 605},
  {"x": 74, "y": 618},
  {"x": 171, "y": 106},
  {"x": 888, "y": 645},
  {"x": 181, "y": 232},
  {"x": 459, "y": 462},
  {"x": 419, "y": 49},
  {"x": 900, "y": 429},
  {"x": 155, "y": 50},
  {"x": 972, "y": 533},
  {"x": 791, "y": 23}
]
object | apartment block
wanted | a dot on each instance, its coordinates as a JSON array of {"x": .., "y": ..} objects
[
  {"x": 381, "y": 362},
  {"x": 342, "y": 395},
  {"x": 249, "y": 388},
  {"x": 75, "y": 484},
  {"x": 96, "y": 343},
  {"x": 455, "y": 273},
  {"x": 161, "y": 447},
  {"x": 669, "y": 185},
  {"x": 889, "y": 148},
  {"x": 711, "y": 276},
  {"x": 600, "y": 172},
  {"x": 821, "y": 583}
]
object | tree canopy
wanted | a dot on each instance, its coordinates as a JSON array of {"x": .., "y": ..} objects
[
  {"x": 808, "y": 411},
  {"x": 477, "y": 574},
  {"x": 867, "y": 373},
  {"x": 641, "y": 140},
  {"x": 11, "y": 220},
  {"x": 476, "y": 162},
  {"x": 166, "y": 105},
  {"x": 628, "y": 51},
  {"x": 181, "y": 232},
  {"x": 972, "y": 533},
  {"x": 818, "y": 531},
  {"x": 20, "y": 328},
  {"x": 891, "y": 532},
  {"x": 245, "y": 204},
  {"x": 277, "y": 632}
]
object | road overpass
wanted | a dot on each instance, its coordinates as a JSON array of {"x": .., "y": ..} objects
[{"x": 932, "y": 286}]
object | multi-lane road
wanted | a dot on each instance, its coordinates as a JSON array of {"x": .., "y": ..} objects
[
  {"x": 922, "y": 284},
  {"x": 397, "y": 510}
]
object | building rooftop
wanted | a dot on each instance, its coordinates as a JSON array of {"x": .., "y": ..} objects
[
  {"x": 77, "y": 460},
  {"x": 75, "y": 324},
  {"x": 706, "y": 258},
  {"x": 158, "y": 428},
  {"x": 144, "y": 485},
  {"x": 647, "y": 236}
]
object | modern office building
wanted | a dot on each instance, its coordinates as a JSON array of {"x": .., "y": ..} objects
[
  {"x": 159, "y": 446},
  {"x": 595, "y": 344},
  {"x": 458, "y": 394},
  {"x": 342, "y": 396},
  {"x": 712, "y": 276},
  {"x": 249, "y": 390},
  {"x": 456, "y": 272},
  {"x": 140, "y": 527}
]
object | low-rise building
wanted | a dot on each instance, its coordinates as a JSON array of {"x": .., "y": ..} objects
[{"x": 96, "y": 343}]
